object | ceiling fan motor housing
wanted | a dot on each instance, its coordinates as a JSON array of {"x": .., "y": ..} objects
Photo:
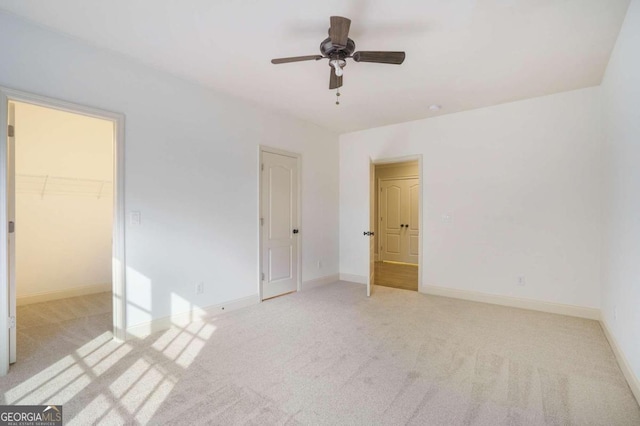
[{"x": 329, "y": 50}]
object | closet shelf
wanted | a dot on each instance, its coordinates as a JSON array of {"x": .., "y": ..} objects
[{"x": 58, "y": 185}]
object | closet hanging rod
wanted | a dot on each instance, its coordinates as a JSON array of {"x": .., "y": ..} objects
[{"x": 62, "y": 185}]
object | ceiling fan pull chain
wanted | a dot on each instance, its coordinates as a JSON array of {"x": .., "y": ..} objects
[{"x": 338, "y": 96}]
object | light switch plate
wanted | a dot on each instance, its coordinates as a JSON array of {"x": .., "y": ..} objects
[{"x": 135, "y": 218}]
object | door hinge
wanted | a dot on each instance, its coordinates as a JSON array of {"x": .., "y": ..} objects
[
  {"x": 12, "y": 227},
  {"x": 262, "y": 166},
  {"x": 263, "y": 276},
  {"x": 12, "y": 322},
  {"x": 11, "y": 131},
  {"x": 262, "y": 221}
]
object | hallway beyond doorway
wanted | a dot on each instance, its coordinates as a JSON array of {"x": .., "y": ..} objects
[{"x": 397, "y": 275}]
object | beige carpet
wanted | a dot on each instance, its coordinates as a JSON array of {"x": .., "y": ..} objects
[{"x": 329, "y": 356}]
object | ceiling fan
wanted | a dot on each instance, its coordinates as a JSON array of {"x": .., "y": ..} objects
[{"x": 338, "y": 47}]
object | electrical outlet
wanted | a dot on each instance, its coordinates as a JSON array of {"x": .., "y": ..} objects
[
  {"x": 521, "y": 281},
  {"x": 200, "y": 288},
  {"x": 319, "y": 264}
]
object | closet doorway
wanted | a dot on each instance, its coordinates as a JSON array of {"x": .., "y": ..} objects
[
  {"x": 397, "y": 233},
  {"x": 62, "y": 200}
]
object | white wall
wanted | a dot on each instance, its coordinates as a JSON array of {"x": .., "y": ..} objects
[
  {"x": 191, "y": 169},
  {"x": 64, "y": 232},
  {"x": 621, "y": 271},
  {"x": 521, "y": 184}
]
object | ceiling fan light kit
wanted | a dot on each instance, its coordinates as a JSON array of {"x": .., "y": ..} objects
[
  {"x": 338, "y": 64},
  {"x": 337, "y": 48}
]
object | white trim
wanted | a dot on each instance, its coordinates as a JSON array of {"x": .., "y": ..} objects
[
  {"x": 514, "y": 302},
  {"x": 118, "y": 253},
  {"x": 298, "y": 157},
  {"x": 317, "y": 282},
  {"x": 623, "y": 362},
  {"x": 47, "y": 296},
  {"x": 118, "y": 263},
  {"x": 185, "y": 318},
  {"x": 4, "y": 236},
  {"x": 358, "y": 279}
]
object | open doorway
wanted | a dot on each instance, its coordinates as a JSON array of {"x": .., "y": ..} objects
[
  {"x": 63, "y": 171},
  {"x": 61, "y": 198},
  {"x": 397, "y": 224}
]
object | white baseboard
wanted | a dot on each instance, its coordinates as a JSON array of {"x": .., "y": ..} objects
[
  {"x": 47, "y": 296},
  {"x": 327, "y": 279},
  {"x": 534, "y": 305},
  {"x": 623, "y": 362},
  {"x": 180, "y": 320},
  {"x": 360, "y": 279}
]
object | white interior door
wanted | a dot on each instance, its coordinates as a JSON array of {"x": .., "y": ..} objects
[
  {"x": 399, "y": 220},
  {"x": 11, "y": 216},
  {"x": 279, "y": 224},
  {"x": 372, "y": 226}
]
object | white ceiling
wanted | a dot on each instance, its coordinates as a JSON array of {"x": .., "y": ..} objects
[{"x": 463, "y": 54}]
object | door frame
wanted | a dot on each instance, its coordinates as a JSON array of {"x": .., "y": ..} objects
[
  {"x": 404, "y": 159},
  {"x": 118, "y": 227},
  {"x": 298, "y": 157},
  {"x": 379, "y": 183}
]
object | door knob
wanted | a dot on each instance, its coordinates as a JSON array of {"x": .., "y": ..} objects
[
  {"x": 295, "y": 231},
  {"x": 365, "y": 233}
]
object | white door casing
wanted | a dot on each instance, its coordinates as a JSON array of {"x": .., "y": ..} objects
[
  {"x": 279, "y": 224},
  {"x": 11, "y": 216},
  {"x": 399, "y": 208}
]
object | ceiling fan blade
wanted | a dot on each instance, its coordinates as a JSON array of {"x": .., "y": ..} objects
[
  {"x": 296, "y": 59},
  {"x": 334, "y": 80},
  {"x": 339, "y": 30},
  {"x": 380, "y": 57}
]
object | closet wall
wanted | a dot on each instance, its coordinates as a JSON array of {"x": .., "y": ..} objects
[{"x": 64, "y": 203}]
